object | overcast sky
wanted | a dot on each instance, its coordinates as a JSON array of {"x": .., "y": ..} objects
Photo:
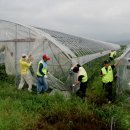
[{"x": 96, "y": 19}]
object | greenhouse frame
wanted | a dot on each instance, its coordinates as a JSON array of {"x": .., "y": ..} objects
[{"x": 65, "y": 50}]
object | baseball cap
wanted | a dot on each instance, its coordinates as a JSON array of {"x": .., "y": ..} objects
[
  {"x": 46, "y": 57},
  {"x": 24, "y": 55}
]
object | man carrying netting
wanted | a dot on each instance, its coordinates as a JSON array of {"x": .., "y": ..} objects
[
  {"x": 25, "y": 62},
  {"x": 82, "y": 79},
  {"x": 42, "y": 71}
]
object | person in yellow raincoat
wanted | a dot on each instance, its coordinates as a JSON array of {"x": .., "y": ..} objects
[{"x": 26, "y": 76}]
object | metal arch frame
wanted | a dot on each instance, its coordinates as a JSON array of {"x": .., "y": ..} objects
[
  {"x": 41, "y": 34},
  {"x": 73, "y": 42}
]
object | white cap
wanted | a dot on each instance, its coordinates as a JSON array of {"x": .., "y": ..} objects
[{"x": 23, "y": 55}]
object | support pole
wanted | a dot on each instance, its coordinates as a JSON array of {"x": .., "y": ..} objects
[{"x": 16, "y": 73}]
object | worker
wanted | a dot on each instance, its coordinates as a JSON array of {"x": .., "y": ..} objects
[
  {"x": 112, "y": 55},
  {"x": 42, "y": 71},
  {"x": 25, "y": 63},
  {"x": 82, "y": 79},
  {"x": 107, "y": 79}
]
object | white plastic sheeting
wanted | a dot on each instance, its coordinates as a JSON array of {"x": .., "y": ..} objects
[
  {"x": 123, "y": 71},
  {"x": 63, "y": 49},
  {"x": 85, "y": 59},
  {"x": 1, "y": 58}
]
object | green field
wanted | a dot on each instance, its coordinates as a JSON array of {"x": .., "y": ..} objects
[{"x": 21, "y": 110}]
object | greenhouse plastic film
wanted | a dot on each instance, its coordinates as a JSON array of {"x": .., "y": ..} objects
[
  {"x": 123, "y": 71},
  {"x": 63, "y": 49}
]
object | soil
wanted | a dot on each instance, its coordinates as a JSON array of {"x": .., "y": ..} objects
[{"x": 70, "y": 122}]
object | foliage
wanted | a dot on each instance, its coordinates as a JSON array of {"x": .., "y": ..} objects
[{"x": 21, "y": 110}]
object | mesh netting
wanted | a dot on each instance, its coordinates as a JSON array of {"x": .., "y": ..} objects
[
  {"x": 123, "y": 71},
  {"x": 80, "y": 46},
  {"x": 64, "y": 50}
]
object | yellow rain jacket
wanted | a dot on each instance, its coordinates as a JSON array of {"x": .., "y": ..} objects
[{"x": 24, "y": 66}]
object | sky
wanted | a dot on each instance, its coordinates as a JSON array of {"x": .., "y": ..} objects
[{"x": 107, "y": 20}]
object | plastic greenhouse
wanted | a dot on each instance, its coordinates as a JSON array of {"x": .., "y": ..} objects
[
  {"x": 123, "y": 71},
  {"x": 63, "y": 49}
]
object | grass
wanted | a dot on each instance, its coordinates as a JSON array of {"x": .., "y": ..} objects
[
  {"x": 17, "y": 109},
  {"x": 21, "y": 110}
]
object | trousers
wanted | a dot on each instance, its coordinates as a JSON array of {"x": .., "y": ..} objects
[
  {"x": 41, "y": 84},
  {"x": 26, "y": 78}
]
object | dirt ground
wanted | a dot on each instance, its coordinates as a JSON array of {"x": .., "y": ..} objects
[{"x": 70, "y": 122}]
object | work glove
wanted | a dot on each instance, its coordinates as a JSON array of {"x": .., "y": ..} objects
[
  {"x": 45, "y": 76},
  {"x": 73, "y": 85}
]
